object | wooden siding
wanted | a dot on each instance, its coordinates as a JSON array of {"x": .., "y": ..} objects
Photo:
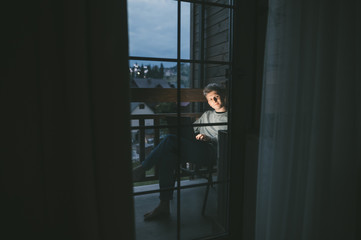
[{"x": 215, "y": 42}]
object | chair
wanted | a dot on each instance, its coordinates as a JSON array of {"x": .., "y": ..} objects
[
  {"x": 194, "y": 170},
  {"x": 219, "y": 165},
  {"x": 205, "y": 172}
]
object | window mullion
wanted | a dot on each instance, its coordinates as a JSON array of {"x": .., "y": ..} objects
[{"x": 178, "y": 114}]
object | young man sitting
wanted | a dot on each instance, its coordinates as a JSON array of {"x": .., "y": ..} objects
[{"x": 200, "y": 151}]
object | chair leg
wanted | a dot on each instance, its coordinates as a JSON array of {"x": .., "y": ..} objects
[
  {"x": 210, "y": 182},
  {"x": 205, "y": 200}
]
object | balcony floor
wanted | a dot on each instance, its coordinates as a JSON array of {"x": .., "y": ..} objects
[{"x": 193, "y": 224}]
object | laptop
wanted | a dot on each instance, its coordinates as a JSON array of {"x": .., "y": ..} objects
[{"x": 186, "y": 128}]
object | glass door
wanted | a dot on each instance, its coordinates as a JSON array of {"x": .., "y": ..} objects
[{"x": 176, "y": 49}]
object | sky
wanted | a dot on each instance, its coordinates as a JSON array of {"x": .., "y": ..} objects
[{"x": 153, "y": 29}]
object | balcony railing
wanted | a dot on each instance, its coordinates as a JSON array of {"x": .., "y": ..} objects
[{"x": 157, "y": 122}]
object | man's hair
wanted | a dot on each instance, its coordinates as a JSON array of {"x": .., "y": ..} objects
[{"x": 220, "y": 88}]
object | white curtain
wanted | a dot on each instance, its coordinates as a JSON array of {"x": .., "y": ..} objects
[{"x": 309, "y": 176}]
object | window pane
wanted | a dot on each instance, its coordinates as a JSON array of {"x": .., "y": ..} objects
[
  {"x": 217, "y": 33},
  {"x": 216, "y": 72},
  {"x": 146, "y": 107},
  {"x": 164, "y": 229},
  {"x": 152, "y": 74},
  {"x": 152, "y": 28},
  {"x": 194, "y": 225},
  {"x": 185, "y": 30},
  {"x": 185, "y": 79},
  {"x": 210, "y": 40},
  {"x": 201, "y": 74}
]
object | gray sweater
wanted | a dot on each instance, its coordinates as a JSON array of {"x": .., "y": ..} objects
[{"x": 211, "y": 116}]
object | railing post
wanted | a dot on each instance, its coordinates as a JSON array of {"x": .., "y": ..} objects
[
  {"x": 141, "y": 140},
  {"x": 156, "y": 142}
]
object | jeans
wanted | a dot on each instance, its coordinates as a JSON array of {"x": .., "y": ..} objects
[{"x": 165, "y": 155}]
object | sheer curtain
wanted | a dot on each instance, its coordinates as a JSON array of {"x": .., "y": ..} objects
[{"x": 309, "y": 156}]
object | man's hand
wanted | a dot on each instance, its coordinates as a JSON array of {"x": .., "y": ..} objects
[{"x": 203, "y": 137}]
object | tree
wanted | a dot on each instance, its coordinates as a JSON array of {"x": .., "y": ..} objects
[
  {"x": 161, "y": 71},
  {"x": 150, "y": 71},
  {"x": 141, "y": 75}
]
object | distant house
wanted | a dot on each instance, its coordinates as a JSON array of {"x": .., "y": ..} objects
[
  {"x": 154, "y": 83},
  {"x": 150, "y": 83},
  {"x": 141, "y": 108}
]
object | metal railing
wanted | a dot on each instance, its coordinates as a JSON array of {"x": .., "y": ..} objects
[{"x": 157, "y": 124}]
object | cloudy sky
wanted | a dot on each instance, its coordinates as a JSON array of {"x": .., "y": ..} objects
[{"x": 153, "y": 28}]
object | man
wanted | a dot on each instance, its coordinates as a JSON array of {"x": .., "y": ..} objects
[{"x": 200, "y": 151}]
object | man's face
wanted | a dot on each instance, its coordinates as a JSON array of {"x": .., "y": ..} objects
[{"x": 215, "y": 101}]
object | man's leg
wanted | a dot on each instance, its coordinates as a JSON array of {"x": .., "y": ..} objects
[
  {"x": 166, "y": 155},
  {"x": 163, "y": 151}
]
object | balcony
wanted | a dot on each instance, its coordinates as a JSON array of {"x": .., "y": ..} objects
[{"x": 193, "y": 224}]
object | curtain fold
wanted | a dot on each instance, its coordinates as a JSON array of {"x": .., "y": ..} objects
[
  {"x": 309, "y": 155},
  {"x": 65, "y": 159}
]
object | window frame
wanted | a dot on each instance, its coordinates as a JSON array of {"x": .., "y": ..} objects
[{"x": 232, "y": 65}]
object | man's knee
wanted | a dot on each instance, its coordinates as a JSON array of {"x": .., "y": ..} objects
[
  {"x": 170, "y": 139},
  {"x": 169, "y": 144}
]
